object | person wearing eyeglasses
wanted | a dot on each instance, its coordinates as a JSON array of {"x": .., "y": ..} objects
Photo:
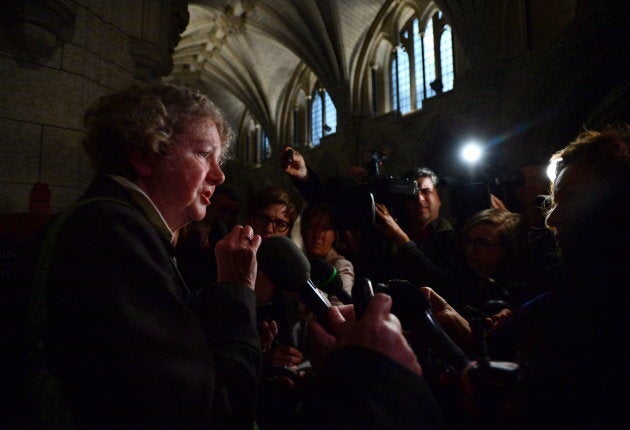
[
  {"x": 493, "y": 243},
  {"x": 282, "y": 319},
  {"x": 272, "y": 212}
]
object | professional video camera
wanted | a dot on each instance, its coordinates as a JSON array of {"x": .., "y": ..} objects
[{"x": 355, "y": 208}]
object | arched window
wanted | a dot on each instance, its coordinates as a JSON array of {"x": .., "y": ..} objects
[
  {"x": 265, "y": 146},
  {"x": 323, "y": 116},
  {"x": 428, "y": 51},
  {"x": 446, "y": 56},
  {"x": 401, "y": 80},
  {"x": 422, "y": 64}
]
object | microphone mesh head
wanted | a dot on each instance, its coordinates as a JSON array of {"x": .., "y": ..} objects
[
  {"x": 325, "y": 275},
  {"x": 284, "y": 263}
]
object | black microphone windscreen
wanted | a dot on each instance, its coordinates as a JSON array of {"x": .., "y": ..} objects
[
  {"x": 324, "y": 275},
  {"x": 284, "y": 263}
]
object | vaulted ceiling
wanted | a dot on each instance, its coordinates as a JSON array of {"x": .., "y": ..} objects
[{"x": 244, "y": 53}]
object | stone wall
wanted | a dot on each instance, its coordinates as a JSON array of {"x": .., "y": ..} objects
[{"x": 56, "y": 58}]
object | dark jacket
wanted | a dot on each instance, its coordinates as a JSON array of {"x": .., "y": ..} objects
[
  {"x": 130, "y": 346},
  {"x": 362, "y": 389}
]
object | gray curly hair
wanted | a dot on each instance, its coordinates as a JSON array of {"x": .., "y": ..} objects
[{"x": 145, "y": 119}]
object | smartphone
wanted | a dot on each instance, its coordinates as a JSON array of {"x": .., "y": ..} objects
[{"x": 287, "y": 158}]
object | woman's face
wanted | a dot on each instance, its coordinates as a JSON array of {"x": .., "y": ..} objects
[
  {"x": 181, "y": 184},
  {"x": 483, "y": 249},
  {"x": 318, "y": 235},
  {"x": 273, "y": 220}
]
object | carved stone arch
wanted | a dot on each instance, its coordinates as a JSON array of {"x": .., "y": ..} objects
[
  {"x": 404, "y": 12},
  {"x": 383, "y": 57},
  {"x": 381, "y": 30},
  {"x": 374, "y": 76},
  {"x": 427, "y": 13},
  {"x": 36, "y": 30},
  {"x": 295, "y": 97},
  {"x": 247, "y": 151}
]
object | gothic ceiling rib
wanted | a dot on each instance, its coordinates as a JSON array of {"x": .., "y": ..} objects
[{"x": 251, "y": 48}]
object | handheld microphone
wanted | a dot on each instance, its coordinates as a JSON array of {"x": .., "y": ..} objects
[
  {"x": 362, "y": 292},
  {"x": 327, "y": 279},
  {"x": 286, "y": 266}
]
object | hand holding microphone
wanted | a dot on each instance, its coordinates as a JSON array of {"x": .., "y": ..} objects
[
  {"x": 288, "y": 269},
  {"x": 378, "y": 330},
  {"x": 293, "y": 164}
]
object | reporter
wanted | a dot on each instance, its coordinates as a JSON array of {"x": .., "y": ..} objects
[{"x": 320, "y": 237}]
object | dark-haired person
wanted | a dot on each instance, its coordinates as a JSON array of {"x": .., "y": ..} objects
[
  {"x": 319, "y": 235},
  {"x": 282, "y": 318},
  {"x": 424, "y": 244},
  {"x": 494, "y": 246}
]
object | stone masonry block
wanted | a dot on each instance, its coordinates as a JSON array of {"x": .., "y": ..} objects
[
  {"x": 62, "y": 152},
  {"x": 20, "y": 145},
  {"x": 45, "y": 96},
  {"x": 14, "y": 198}
]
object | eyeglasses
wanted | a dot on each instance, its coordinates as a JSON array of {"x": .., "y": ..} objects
[
  {"x": 263, "y": 220},
  {"x": 480, "y": 243}
]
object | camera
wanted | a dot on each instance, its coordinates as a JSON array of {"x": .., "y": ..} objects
[{"x": 356, "y": 207}]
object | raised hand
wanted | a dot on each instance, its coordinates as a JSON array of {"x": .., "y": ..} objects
[{"x": 236, "y": 256}]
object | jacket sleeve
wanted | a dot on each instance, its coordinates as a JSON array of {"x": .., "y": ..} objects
[
  {"x": 312, "y": 190},
  {"x": 415, "y": 265},
  {"x": 228, "y": 313},
  {"x": 127, "y": 347},
  {"x": 362, "y": 389}
]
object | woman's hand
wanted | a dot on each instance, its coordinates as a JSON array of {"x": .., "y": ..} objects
[{"x": 236, "y": 256}]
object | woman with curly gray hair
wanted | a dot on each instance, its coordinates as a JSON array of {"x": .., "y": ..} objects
[{"x": 128, "y": 343}]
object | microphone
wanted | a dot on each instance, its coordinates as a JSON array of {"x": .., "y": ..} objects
[
  {"x": 362, "y": 293},
  {"x": 414, "y": 311},
  {"x": 327, "y": 279},
  {"x": 286, "y": 266}
]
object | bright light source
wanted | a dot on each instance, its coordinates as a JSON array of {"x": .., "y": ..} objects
[
  {"x": 551, "y": 169},
  {"x": 471, "y": 153}
]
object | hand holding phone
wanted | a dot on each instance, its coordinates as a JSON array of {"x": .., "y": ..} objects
[
  {"x": 287, "y": 158},
  {"x": 293, "y": 164}
]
